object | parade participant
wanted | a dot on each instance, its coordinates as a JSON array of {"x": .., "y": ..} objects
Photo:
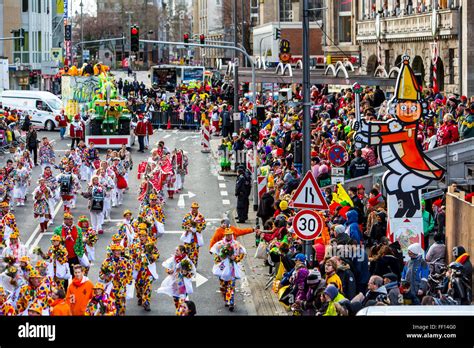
[
  {"x": 76, "y": 130},
  {"x": 46, "y": 153},
  {"x": 62, "y": 120},
  {"x": 156, "y": 215},
  {"x": 144, "y": 253},
  {"x": 120, "y": 181},
  {"x": 59, "y": 306},
  {"x": 34, "y": 292},
  {"x": 83, "y": 168},
  {"x": 73, "y": 241},
  {"x": 90, "y": 238},
  {"x": 79, "y": 292},
  {"x": 193, "y": 225},
  {"x": 120, "y": 271},
  {"x": 21, "y": 179},
  {"x": 126, "y": 230},
  {"x": 8, "y": 224},
  {"x": 180, "y": 270},
  {"x": 14, "y": 250},
  {"x": 141, "y": 132},
  {"x": 75, "y": 158},
  {"x": 96, "y": 195},
  {"x": 48, "y": 280},
  {"x": 126, "y": 157},
  {"x": 100, "y": 304},
  {"x": 107, "y": 182},
  {"x": 6, "y": 189},
  {"x": 52, "y": 183},
  {"x": 41, "y": 206},
  {"x": 58, "y": 266},
  {"x": 237, "y": 232},
  {"x": 25, "y": 267},
  {"x": 32, "y": 143},
  {"x": 6, "y": 308},
  {"x": 117, "y": 239},
  {"x": 228, "y": 253},
  {"x": 167, "y": 170},
  {"x": 148, "y": 132},
  {"x": 181, "y": 161},
  {"x": 69, "y": 186},
  {"x": 91, "y": 155}
]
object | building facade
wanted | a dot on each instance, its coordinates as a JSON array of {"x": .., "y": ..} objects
[
  {"x": 433, "y": 33},
  {"x": 286, "y": 15}
]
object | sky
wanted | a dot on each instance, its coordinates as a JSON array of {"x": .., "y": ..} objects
[{"x": 90, "y": 6}]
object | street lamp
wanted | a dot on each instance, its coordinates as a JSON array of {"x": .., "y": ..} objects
[{"x": 82, "y": 34}]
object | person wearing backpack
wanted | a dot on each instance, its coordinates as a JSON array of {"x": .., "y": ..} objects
[
  {"x": 96, "y": 195},
  {"x": 242, "y": 192},
  {"x": 69, "y": 185}
]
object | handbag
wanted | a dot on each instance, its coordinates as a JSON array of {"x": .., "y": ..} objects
[{"x": 261, "y": 252}]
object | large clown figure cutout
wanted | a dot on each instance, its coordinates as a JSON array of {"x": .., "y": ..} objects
[{"x": 409, "y": 169}]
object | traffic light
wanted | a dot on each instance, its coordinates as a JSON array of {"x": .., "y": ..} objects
[
  {"x": 135, "y": 38},
  {"x": 254, "y": 130},
  {"x": 277, "y": 34},
  {"x": 202, "y": 38},
  {"x": 67, "y": 32},
  {"x": 22, "y": 37},
  {"x": 186, "y": 38},
  {"x": 284, "y": 46}
]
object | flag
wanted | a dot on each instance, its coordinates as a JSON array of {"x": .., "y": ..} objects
[{"x": 341, "y": 196}]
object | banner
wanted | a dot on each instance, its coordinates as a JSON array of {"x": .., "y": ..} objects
[
  {"x": 65, "y": 8},
  {"x": 60, "y": 7}
]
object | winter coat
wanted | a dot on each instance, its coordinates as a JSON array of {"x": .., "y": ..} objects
[
  {"x": 372, "y": 295},
  {"x": 348, "y": 281},
  {"x": 394, "y": 295},
  {"x": 299, "y": 283},
  {"x": 361, "y": 267},
  {"x": 428, "y": 222},
  {"x": 358, "y": 167},
  {"x": 416, "y": 272},
  {"x": 467, "y": 127},
  {"x": 265, "y": 208},
  {"x": 437, "y": 251},
  {"x": 352, "y": 226},
  {"x": 385, "y": 264},
  {"x": 448, "y": 133}
]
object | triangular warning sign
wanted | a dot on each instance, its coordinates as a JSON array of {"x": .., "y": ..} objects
[{"x": 308, "y": 195}]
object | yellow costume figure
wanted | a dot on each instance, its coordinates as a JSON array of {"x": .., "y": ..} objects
[
  {"x": 155, "y": 214},
  {"x": 100, "y": 304},
  {"x": 144, "y": 254},
  {"x": 120, "y": 271},
  {"x": 34, "y": 291},
  {"x": 193, "y": 225}
]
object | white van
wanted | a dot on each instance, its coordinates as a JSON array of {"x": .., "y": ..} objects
[
  {"x": 43, "y": 107},
  {"x": 417, "y": 311}
]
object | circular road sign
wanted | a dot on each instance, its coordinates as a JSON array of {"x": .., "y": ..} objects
[
  {"x": 338, "y": 155},
  {"x": 308, "y": 224}
]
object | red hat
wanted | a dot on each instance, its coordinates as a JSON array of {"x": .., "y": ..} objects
[
  {"x": 463, "y": 98},
  {"x": 77, "y": 117},
  {"x": 438, "y": 203},
  {"x": 279, "y": 152},
  {"x": 140, "y": 116},
  {"x": 361, "y": 186}
]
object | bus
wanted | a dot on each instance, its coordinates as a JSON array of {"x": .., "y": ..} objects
[{"x": 168, "y": 77}]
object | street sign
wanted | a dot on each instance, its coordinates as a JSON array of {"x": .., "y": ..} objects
[
  {"x": 338, "y": 155},
  {"x": 236, "y": 116},
  {"x": 57, "y": 54},
  {"x": 308, "y": 194},
  {"x": 337, "y": 175},
  {"x": 86, "y": 55},
  {"x": 308, "y": 224}
]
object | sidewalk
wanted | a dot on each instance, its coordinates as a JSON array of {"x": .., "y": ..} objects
[
  {"x": 215, "y": 143},
  {"x": 265, "y": 301}
]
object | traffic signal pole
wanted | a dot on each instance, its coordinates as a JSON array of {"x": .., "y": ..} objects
[{"x": 254, "y": 95}]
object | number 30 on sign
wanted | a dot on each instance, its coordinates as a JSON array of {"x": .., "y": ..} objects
[{"x": 308, "y": 224}]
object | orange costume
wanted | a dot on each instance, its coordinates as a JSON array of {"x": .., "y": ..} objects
[
  {"x": 409, "y": 169},
  {"x": 83, "y": 292},
  {"x": 60, "y": 308},
  {"x": 219, "y": 234}
]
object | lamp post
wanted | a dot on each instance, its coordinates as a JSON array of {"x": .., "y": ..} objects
[
  {"x": 82, "y": 34},
  {"x": 236, "y": 74}
]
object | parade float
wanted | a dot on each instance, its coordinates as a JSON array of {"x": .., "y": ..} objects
[{"x": 94, "y": 97}]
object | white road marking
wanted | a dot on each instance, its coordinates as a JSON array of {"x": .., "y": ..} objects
[
  {"x": 220, "y": 178},
  {"x": 175, "y": 131},
  {"x": 181, "y": 198},
  {"x": 166, "y": 136},
  {"x": 225, "y": 202},
  {"x": 199, "y": 279},
  {"x": 224, "y": 193},
  {"x": 222, "y": 185}
]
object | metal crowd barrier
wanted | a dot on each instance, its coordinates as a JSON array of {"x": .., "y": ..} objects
[{"x": 160, "y": 119}]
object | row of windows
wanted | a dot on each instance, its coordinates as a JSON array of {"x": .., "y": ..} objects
[
  {"x": 37, "y": 6},
  {"x": 287, "y": 13},
  {"x": 35, "y": 36}
]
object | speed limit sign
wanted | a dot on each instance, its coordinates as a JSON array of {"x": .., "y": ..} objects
[{"x": 308, "y": 224}]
